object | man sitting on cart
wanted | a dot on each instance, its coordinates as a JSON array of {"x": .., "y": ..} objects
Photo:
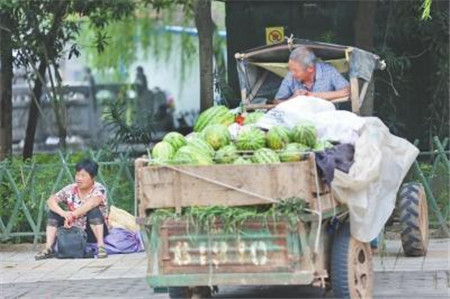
[{"x": 309, "y": 77}]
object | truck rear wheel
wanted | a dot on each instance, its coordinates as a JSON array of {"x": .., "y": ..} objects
[
  {"x": 189, "y": 292},
  {"x": 413, "y": 219},
  {"x": 351, "y": 266}
]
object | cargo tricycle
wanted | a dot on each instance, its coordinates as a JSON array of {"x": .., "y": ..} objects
[{"x": 310, "y": 244}]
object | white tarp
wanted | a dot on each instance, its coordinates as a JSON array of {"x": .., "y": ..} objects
[
  {"x": 381, "y": 159},
  {"x": 293, "y": 111},
  {"x": 370, "y": 188}
]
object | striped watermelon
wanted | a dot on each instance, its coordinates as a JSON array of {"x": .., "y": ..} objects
[
  {"x": 305, "y": 133},
  {"x": 214, "y": 115},
  {"x": 253, "y": 117},
  {"x": 278, "y": 137},
  {"x": 191, "y": 156},
  {"x": 201, "y": 145},
  {"x": 265, "y": 156},
  {"x": 294, "y": 152},
  {"x": 162, "y": 151},
  {"x": 242, "y": 161},
  {"x": 175, "y": 139},
  {"x": 251, "y": 139},
  {"x": 216, "y": 135},
  {"x": 322, "y": 145},
  {"x": 226, "y": 155}
]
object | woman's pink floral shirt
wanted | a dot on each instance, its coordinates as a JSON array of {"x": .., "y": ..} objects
[{"x": 70, "y": 196}]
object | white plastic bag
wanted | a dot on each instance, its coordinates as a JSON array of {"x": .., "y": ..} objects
[
  {"x": 370, "y": 188},
  {"x": 293, "y": 111}
]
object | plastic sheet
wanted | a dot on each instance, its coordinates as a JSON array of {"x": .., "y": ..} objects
[
  {"x": 121, "y": 240},
  {"x": 381, "y": 162}
]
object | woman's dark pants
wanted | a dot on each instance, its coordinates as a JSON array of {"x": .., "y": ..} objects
[{"x": 94, "y": 217}]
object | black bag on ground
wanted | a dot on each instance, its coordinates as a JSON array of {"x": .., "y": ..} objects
[{"x": 71, "y": 242}]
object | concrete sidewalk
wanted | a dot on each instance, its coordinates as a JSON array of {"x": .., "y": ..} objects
[
  {"x": 22, "y": 267},
  {"x": 125, "y": 274}
]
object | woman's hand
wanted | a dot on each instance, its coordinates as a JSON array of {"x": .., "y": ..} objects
[
  {"x": 69, "y": 218},
  {"x": 67, "y": 224}
]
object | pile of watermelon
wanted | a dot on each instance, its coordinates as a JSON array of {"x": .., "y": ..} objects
[{"x": 211, "y": 142}]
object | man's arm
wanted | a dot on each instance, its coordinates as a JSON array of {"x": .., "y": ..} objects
[
  {"x": 285, "y": 91},
  {"x": 331, "y": 95}
]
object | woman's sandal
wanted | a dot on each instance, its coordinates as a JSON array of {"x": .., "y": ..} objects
[
  {"x": 102, "y": 252},
  {"x": 47, "y": 253}
]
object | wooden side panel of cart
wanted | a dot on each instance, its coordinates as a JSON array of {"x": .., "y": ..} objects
[{"x": 227, "y": 185}]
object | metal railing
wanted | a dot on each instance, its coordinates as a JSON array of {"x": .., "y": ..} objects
[
  {"x": 435, "y": 181},
  {"x": 25, "y": 187}
]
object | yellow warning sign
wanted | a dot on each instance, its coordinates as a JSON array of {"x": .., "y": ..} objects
[{"x": 274, "y": 35}]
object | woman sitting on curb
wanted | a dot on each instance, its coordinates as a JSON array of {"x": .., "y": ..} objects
[{"x": 86, "y": 202}]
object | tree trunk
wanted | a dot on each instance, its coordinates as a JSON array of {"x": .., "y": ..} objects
[
  {"x": 59, "y": 106},
  {"x": 6, "y": 74},
  {"x": 33, "y": 113},
  {"x": 364, "y": 24},
  {"x": 204, "y": 24},
  {"x": 49, "y": 54},
  {"x": 364, "y": 33}
]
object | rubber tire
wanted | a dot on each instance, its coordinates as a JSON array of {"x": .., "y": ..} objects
[
  {"x": 190, "y": 292},
  {"x": 351, "y": 266},
  {"x": 413, "y": 219},
  {"x": 180, "y": 292}
]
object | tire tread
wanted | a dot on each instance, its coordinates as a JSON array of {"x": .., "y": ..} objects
[{"x": 412, "y": 242}]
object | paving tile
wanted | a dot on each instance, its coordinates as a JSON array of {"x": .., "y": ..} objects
[
  {"x": 29, "y": 278},
  {"x": 8, "y": 278}
]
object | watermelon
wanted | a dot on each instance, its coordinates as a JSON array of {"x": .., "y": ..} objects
[
  {"x": 322, "y": 145},
  {"x": 265, "y": 156},
  {"x": 175, "y": 139},
  {"x": 214, "y": 115},
  {"x": 191, "y": 156},
  {"x": 294, "y": 152},
  {"x": 251, "y": 139},
  {"x": 278, "y": 137},
  {"x": 162, "y": 151},
  {"x": 297, "y": 147},
  {"x": 242, "y": 161},
  {"x": 226, "y": 155},
  {"x": 216, "y": 135},
  {"x": 253, "y": 117},
  {"x": 305, "y": 133},
  {"x": 201, "y": 145}
]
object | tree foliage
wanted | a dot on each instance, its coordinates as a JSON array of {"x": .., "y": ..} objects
[
  {"x": 413, "y": 93},
  {"x": 40, "y": 31}
]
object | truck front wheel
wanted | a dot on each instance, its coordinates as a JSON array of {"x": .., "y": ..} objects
[{"x": 351, "y": 266}]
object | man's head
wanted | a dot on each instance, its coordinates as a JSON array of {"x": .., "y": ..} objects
[
  {"x": 302, "y": 63},
  {"x": 85, "y": 173},
  {"x": 139, "y": 70}
]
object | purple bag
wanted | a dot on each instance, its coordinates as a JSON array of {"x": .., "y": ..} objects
[{"x": 120, "y": 240}]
